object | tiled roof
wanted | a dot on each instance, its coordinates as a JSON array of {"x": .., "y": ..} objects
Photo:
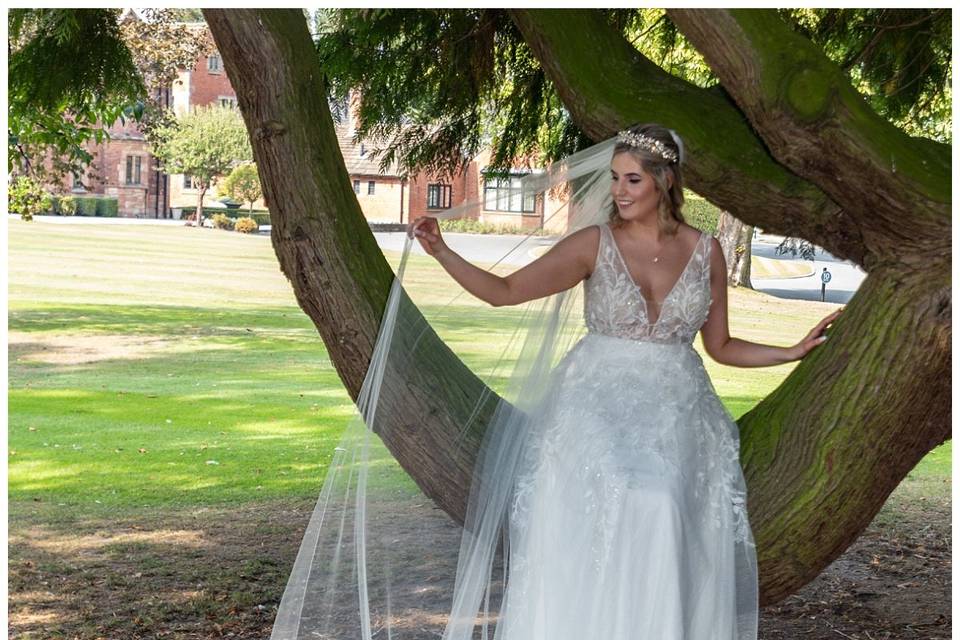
[{"x": 356, "y": 164}]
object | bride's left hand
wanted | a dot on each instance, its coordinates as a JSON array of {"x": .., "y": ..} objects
[{"x": 815, "y": 337}]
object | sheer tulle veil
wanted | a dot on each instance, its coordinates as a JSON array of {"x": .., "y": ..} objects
[{"x": 378, "y": 559}]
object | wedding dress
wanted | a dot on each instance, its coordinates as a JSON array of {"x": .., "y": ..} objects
[{"x": 628, "y": 521}]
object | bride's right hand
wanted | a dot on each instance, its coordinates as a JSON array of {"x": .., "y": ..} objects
[{"x": 427, "y": 231}]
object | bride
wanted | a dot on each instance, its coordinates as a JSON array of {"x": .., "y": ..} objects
[
  {"x": 628, "y": 518},
  {"x": 608, "y": 473}
]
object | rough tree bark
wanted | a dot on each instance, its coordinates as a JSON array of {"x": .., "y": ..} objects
[
  {"x": 735, "y": 238},
  {"x": 821, "y": 453},
  {"x": 325, "y": 248},
  {"x": 827, "y": 447}
]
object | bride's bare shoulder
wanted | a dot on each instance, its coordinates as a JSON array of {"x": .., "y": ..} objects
[{"x": 585, "y": 243}]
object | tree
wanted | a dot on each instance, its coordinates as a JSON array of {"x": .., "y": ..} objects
[
  {"x": 785, "y": 143},
  {"x": 243, "y": 184},
  {"x": 204, "y": 144}
]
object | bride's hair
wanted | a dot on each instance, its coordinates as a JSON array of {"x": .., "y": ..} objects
[{"x": 659, "y": 168}]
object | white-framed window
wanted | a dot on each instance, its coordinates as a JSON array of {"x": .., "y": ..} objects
[
  {"x": 228, "y": 101},
  {"x": 133, "y": 170},
  {"x": 504, "y": 194},
  {"x": 188, "y": 182},
  {"x": 356, "y": 187},
  {"x": 438, "y": 196},
  {"x": 78, "y": 183},
  {"x": 371, "y": 187},
  {"x": 214, "y": 63}
]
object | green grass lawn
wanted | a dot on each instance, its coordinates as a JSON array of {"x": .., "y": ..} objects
[{"x": 168, "y": 366}]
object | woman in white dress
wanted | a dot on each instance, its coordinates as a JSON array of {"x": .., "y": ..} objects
[{"x": 627, "y": 518}]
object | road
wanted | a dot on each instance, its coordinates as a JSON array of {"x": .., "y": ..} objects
[{"x": 846, "y": 276}]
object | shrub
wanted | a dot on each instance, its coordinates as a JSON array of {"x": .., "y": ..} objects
[
  {"x": 27, "y": 197},
  {"x": 470, "y": 225},
  {"x": 222, "y": 221},
  {"x": 108, "y": 207},
  {"x": 86, "y": 205},
  {"x": 67, "y": 205},
  {"x": 259, "y": 215},
  {"x": 246, "y": 225}
]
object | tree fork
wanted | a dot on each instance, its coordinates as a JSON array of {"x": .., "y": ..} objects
[{"x": 826, "y": 448}]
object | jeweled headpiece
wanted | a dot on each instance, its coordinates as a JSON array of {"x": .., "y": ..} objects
[{"x": 645, "y": 142}]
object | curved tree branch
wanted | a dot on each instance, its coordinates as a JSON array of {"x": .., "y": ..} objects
[
  {"x": 728, "y": 163},
  {"x": 817, "y": 124},
  {"x": 824, "y": 451}
]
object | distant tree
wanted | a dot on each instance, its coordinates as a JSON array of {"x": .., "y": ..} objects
[
  {"x": 186, "y": 15},
  {"x": 204, "y": 144},
  {"x": 243, "y": 184}
]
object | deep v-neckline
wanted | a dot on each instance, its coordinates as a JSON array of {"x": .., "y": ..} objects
[{"x": 639, "y": 289}]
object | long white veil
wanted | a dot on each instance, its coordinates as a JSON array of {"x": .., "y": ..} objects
[{"x": 378, "y": 559}]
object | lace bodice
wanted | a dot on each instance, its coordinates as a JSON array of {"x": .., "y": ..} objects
[{"x": 615, "y": 306}]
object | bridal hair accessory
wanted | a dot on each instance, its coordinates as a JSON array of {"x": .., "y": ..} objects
[{"x": 645, "y": 142}]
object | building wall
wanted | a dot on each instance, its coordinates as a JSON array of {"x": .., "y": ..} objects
[
  {"x": 462, "y": 189},
  {"x": 208, "y": 87},
  {"x": 385, "y": 203}
]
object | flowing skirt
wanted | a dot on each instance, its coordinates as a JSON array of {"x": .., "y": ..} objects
[{"x": 629, "y": 519}]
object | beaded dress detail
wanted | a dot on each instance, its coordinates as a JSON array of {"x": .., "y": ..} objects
[{"x": 628, "y": 521}]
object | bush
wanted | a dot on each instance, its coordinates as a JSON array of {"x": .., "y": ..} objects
[
  {"x": 67, "y": 205},
  {"x": 86, "y": 205},
  {"x": 470, "y": 225},
  {"x": 260, "y": 216},
  {"x": 222, "y": 221},
  {"x": 246, "y": 225},
  {"x": 27, "y": 197},
  {"x": 108, "y": 207},
  {"x": 700, "y": 213}
]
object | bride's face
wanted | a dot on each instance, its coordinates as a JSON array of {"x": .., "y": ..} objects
[{"x": 633, "y": 189}]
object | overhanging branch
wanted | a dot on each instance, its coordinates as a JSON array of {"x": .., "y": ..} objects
[
  {"x": 607, "y": 84},
  {"x": 817, "y": 124}
]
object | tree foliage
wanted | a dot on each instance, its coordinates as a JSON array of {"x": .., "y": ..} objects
[
  {"x": 75, "y": 72},
  {"x": 205, "y": 144},
  {"x": 243, "y": 184},
  {"x": 437, "y": 84},
  {"x": 900, "y": 59},
  {"x": 68, "y": 72}
]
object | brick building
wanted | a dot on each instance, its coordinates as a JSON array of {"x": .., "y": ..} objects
[{"x": 124, "y": 168}]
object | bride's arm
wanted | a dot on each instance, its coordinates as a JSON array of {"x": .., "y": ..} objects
[
  {"x": 741, "y": 353},
  {"x": 564, "y": 265}
]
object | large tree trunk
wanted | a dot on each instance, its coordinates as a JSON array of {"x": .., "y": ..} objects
[
  {"x": 822, "y": 452},
  {"x": 327, "y": 251}
]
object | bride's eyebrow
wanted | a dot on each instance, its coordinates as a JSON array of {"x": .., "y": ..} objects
[{"x": 628, "y": 174}]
